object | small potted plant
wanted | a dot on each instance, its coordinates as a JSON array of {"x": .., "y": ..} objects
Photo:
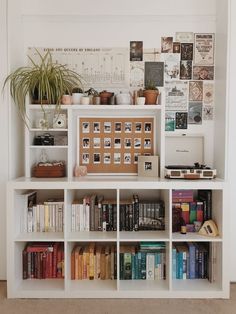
[
  {"x": 44, "y": 82},
  {"x": 77, "y": 93},
  {"x": 94, "y": 96},
  {"x": 151, "y": 93}
]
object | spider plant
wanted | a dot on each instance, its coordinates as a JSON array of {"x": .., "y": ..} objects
[{"x": 44, "y": 82}]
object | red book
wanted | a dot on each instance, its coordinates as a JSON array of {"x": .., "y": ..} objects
[
  {"x": 54, "y": 266},
  {"x": 200, "y": 211}
]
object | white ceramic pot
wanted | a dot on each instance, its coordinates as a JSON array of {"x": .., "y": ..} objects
[
  {"x": 85, "y": 100},
  {"x": 123, "y": 99},
  {"x": 141, "y": 101},
  {"x": 76, "y": 98},
  {"x": 66, "y": 100}
]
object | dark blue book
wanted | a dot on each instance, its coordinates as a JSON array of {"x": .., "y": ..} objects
[{"x": 192, "y": 260}]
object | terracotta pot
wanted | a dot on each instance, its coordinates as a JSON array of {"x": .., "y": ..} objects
[
  {"x": 150, "y": 96},
  {"x": 105, "y": 97}
]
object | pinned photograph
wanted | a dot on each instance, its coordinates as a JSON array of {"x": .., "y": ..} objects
[
  {"x": 97, "y": 158},
  {"x": 176, "y": 47},
  {"x": 195, "y": 113},
  {"x": 166, "y": 44},
  {"x": 85, "y": 127},
  {"x": 203, "y": 73},
  {"x": 181, "y": 120},
  {"x": 118, "y": 127},
  {"x": 138, "y": 127},
  {"x": 208, "y": 113},
  {"x": 128, "y": 127},
  {"x": 172, "y": 66},
  {"x": 127, "y": 142},
  {"x": 147, "y": 165},
  {"x": 195, "y": 91},
  {"x": 137, "y": 74},
  {"x": 107, "y": 127},
  {"x": 96, "y": 127},
  {"x": 170, "y": 121},
  {"x": 137, "y": 143},
  {"x": 187, "y": 51},
  {"x": 127, "y": 158},
  {"x": 136, "y": 51},
  {"x": 96, "y": 142},
  {"x": 208, "y": 93},
  {"x": 185, "y": 70},
  {"x": 107, "y": 142},
  {"x": 116, "y": 158},
  {"x": 204, "y": 49},
  {"x": 148, "y": 127},
  {"x": 136, "y": 157},
  {"x": 85, "y": 158},
  {"x": 147, "y": 143},
  {"x": 107, "y": 158},
  {"x": 117, "y": 143},
  {"x": 86, "y": 142}
]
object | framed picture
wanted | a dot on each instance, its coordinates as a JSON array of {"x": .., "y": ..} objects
[{"x": 148, "y": 166}]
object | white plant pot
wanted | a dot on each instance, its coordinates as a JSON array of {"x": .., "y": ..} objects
[
  {"x": 85, "y": 100},
  {"x": 76, "y": 98},
  {"x": 141, "y": 101}
]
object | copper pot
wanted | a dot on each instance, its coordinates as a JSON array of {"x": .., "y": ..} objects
[{"x": 105, "y": 97}]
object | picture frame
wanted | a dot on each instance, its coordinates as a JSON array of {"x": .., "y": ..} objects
[{"x": 148, "y": 166}]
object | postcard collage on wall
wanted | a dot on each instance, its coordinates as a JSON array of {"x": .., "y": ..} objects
[{"x": 185, "y": 68}]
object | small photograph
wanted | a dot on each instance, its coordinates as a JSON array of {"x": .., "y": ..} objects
[
  {"x": 85, "y": 158},
  {"x": 176, "y": 47},
  {"x": 136, "y": 157},
  {"x": 170, "y": 121},
  {"x": 128, "y": 127},
  {"x": 107, "y": 158},
  {"x": 96, "y": 142},
  {"x": 96, "y": 127},
  {"x": 116, "y": 158},
  {"x": 195, "y": 113},
  {"x": 185, "y": 70},
  {"x": 187, "y": 51},
  {"x": 107, "y": 142},
  {"x": 166, "y": 44},
  {"x": 136, "y": 51},
  {"x": 85, "y": 127},
  {"x": 138, "y": 127},
  {"x": 203, "y": 73},
  {"x": 147, "y": 165},
  {"x": 96, "y": 158},
  {"x": 127, "y": 158},
  {"x": 86, "y": 143},
  {"x": 107, "y": 127},
  {"x": 117, "y": 142},
  {"x": 147, "y": 143},
  {"x": 137, "y": 143},
  {"x": 127, "y": 143},
  {"x": 118, "y": 127},
  {"x": 148, "y": 127},
  {"x": 181, "y": 120}
]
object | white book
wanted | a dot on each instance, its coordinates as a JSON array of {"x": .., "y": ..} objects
[
  {"x": 81, "y": 217},
  {"x": 150, "y": 266},
  {"x": 73, "y": 218}
]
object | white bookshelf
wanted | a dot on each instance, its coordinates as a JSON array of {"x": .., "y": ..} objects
[{"x": 118, "y": 187}]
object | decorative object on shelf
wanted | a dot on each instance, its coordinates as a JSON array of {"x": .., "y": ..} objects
[
  {"x": 141, "y": 101},
  {"x": 59, "y": 121},
  {"x": 66, "y": 99},
  {"x": 123, "y": 99},
  {"x": 209, "y": 228},
  {"x": 80, "y": 171},
  {"x": 85, "y": 100},
  {"x": 148, "y": 166},
  {"x": 42, "y": 123},
  {"x": 55, "y": 169},
  {"x": 106, "y": 97},
  {"x": 61, "y": 140},
  {"x": 77, "y": 93},
  {"x": 197, "y": 225},
  {"x": 190, "y": 172},
  {"x": 151, "y": 93},
  {"x": 93, "y": 96},
  {"x": 45, "y": 82},
  {"x": 45, "y": 140}
]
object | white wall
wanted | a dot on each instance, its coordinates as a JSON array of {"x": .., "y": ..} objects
[{"x": 39, "y": 23}]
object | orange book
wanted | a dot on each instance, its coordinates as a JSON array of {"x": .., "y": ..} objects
[
  {"x": 91, "y": 260},
  {"x": 108, "y": 262},
  {"x": 73, "y": 264},
  {"x": 98, "y": 262},
  {"x": 80, "y": 275},
  {"x": 103, "y": 264}
]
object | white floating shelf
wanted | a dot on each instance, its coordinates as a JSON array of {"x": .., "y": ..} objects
[
  {"x": 94, "y": 236},
  {"x": 47, "y": 130},
  {"x": 40, "y": 236},
  {"x": 47, "y": 146},
  {"x": 194, "y": 237}
]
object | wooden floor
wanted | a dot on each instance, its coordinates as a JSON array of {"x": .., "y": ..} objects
[{"x": 113, "y": 306}]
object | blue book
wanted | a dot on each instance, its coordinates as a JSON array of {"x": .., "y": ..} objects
[
  {"x": 133, "y": 265},
  {"x": 139, "y": 257},
  {"x": 174, "y": 263},
  {"x": 192, "y": 260}
]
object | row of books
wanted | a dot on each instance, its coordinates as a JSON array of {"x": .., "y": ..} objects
[
  {"x": 147, "y": 261},
  {"x": 194, "y": 261},
  {"x": 187, "y": 208},
  {"x": 43, "y": 260},
  {"x": 136, "y": 215},
  {"x": 93, "y": 213},
  {"x": 94, "y": 262}
]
